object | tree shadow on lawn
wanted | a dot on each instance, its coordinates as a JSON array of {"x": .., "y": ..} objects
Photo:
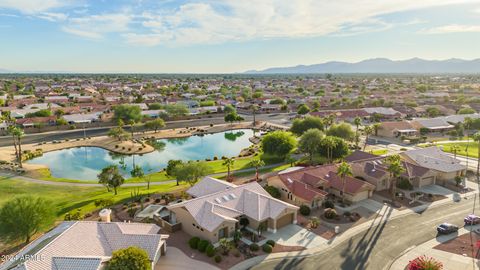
[{"x": 356, "y": 257}]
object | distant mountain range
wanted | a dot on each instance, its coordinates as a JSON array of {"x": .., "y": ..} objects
[{"x": 381, "y": 65}]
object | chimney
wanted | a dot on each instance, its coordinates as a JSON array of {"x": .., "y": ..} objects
[{"x": 105, "y": 215}]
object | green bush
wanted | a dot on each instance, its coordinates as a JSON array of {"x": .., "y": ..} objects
[
  {"x": 304, "y": 210},
  {"x": 271, "y": 243},
  {"x": 273, "y": 191},
  {"x": 218, "y": 259},
  {"x": 210, "y": 250},
  {"x": 267, "y": 248},
  {"x": 202, "y": 245},
  {"x": 254, "y": 247},
  {"x": 404, "y": 184},
  {"x": 330, "y": 213},
  {"x": 329, "y": 204},
  {"x": 193, "y": 242}
]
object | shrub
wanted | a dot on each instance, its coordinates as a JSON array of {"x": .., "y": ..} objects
[
  {"x": 210, "y": 250},
  {"x": 424, "y": 263},
  {"x": 236, "y": 253},
  {"x": 304, "y": 210},
  {"x": 273, "y": 191},
  {"x": 202, "y": 245},
  {"x": 330, "y": 213},
  {"x": 218, "y": 259},
  {"x": 347, "y": 214},
  {"x": 404, "y": 184},
  {"x": 254, "y": 247},
  {"x": 129, "y": 258},
  {"x": 193, "y": 242},
  {"x": 271, "y": 243},
  {"x": 329, "y": 204},
  {"x": 267, "y": 248}
]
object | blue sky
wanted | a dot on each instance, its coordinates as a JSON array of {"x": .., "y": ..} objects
[{"x": 216, "y": 36}]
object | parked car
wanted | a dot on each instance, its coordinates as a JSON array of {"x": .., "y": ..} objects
[
  {"x": 471, "y": 220},
  {"x": 446, "y": 228}
]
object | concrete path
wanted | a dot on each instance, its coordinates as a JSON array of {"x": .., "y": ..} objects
[
  {"x": 294, "y": 235},
  {"x": 449, "y": 260},
  {"x": 175, "y": 259}
]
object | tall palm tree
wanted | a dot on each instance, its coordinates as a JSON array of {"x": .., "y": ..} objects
[
  {"x": 329, "y": 143},
  {"x": 257, "y": 163},
  {"x": 476, "y": 137},
  {"x": 368, "y": 131},
  {"x": 467, "y": 123},
  {"x": 11, "y": 130},
  {"x": 357, "y": 121},
  {"x": 254, "y": 108},
  {"x": 229, "y": 163},
  {"x": 343, "y": 171},
  {"x": 376, "y": 127},
  {"x": 455, "y": 148},
  {"x": 18, "y": 134},
  {"x": 395, "y": 169}
]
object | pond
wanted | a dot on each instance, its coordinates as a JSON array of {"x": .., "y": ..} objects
[{"x": 84, "y": 163}]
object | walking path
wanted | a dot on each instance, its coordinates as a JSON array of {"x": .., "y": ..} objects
[
  {"x": 384, "y": 214},
  {"x": 54, "y": 183},
  {"x": 449, "y": 260}
]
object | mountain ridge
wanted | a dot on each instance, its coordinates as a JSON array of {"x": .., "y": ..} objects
[{"x": 381, "y": 65}]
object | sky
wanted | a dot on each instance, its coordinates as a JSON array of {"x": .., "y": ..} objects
[{"x": 228, "y": 36}]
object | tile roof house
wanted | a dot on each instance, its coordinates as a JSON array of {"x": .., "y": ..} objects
[
  {"x": 445, "y": 166},
  {"x": 311, "y": 185},
  {"x": 88, "y": 245},
  {"x": 397, "y": 129},
  {"x": 438, "y": 124},
  {"x": 374, "y": 170},
  {"x": 215, "y": 211}
]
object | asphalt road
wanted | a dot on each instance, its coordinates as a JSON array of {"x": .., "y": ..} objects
[
  {"x": 79, "y": 133},
  {"x": 377, "y": 247}
]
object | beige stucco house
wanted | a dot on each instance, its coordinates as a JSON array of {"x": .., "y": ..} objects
[{"x": 217, "y": 207}]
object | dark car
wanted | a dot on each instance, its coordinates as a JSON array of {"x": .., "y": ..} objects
[
  {"x": 471, "y": 220},
  {"x": 446, "y": 228}
]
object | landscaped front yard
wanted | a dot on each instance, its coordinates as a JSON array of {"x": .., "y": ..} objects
[{"x": 472, "y": 148}]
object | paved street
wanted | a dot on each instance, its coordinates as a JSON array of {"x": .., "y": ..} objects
[
  {"x": 379, "y": 246},
  {"x": 281, "y": 118}
]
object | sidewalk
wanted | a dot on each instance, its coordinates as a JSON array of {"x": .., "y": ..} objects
[{"x": 449, "y": 260}]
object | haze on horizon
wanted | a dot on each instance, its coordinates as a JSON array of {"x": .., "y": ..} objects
[{"x": 208, "y": 36}]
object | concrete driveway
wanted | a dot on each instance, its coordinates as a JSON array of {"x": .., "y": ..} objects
[
  {"x": 294, "y": 235},
  {"x": 436, "y": 189},
  {"x": 175, "y": 259}
]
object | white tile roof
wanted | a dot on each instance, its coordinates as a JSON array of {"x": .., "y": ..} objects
[
  {"x": 82, "y": 244},
  {"x": 211, "y": 210},
  {"x": 209, "y": 185},
  {"x": 436, "y": 159}
]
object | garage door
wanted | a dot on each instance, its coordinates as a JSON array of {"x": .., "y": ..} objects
[
  {"x": 361, "y": 196},
  {"x": 285, "y": 220},
  {"x": 426, "y": 181}
]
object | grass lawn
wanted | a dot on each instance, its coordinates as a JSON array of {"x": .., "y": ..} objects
[
  {"x": 472, "y": 148},
  {"x": 379, "y": 152}
]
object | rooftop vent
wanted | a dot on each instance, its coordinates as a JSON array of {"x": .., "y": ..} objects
[
  {"x": 232, "y": 196},
  {"x": 290, "y": 180},
  {"x": 218, "y": 200},
  {"x": 225, "y": 198}
]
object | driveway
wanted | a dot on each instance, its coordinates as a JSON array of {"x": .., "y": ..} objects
[
  {"x": 175, "y": 259},
  {"x": 294, "y": 235},
  {"x": 436, "y": 189}
]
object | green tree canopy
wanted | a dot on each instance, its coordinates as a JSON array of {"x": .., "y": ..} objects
[
  {"x": 191, "y": 172},
  {"x": 131, "y": 258},
  {"x": 299, "y": 126},
  {"x": 342, "y": 130},
  {"x": 466, "y": 111},
  {"x": 333, "y": 147},
  {"x": 303, "y": 109},
  {"x": 111, "y": 177},
  {"x": 310, "y": 142},
  {"x": 175, "y": 110},
  {"x": 127, "y": 113},
  {"x": 155, "y": 124},
  {"x": 229, "y": 109},
  {"x": 155, "y": 106},
  {"x": 24, "y": 216},
  {"x": 278, "y": 143}
]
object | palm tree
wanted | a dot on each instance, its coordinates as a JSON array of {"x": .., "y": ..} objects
[
  {"x": 357, "y": 121},
  {"x": 343, "y": 171},
  {"x": 329, "y": 143},
  {"x": 290, "y": 160},
  {"x": 257, "y": 163},
  {"x": 395, "y": 169},
  {"x": 476, "y": 137},
  {"x": 368, "y": 131},
  {"x": 376, "y": 127},
  {"x": 229, "y": 163},
  {"x": 11, "y": 130},
  {"x": 468, "y": 125},
  {"x": 17, "y": 134},
  {"x": 254, "y": 108},
  {"x": 455, "y": 148}
]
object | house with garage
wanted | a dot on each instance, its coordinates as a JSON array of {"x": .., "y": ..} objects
[
  {"x": 88, "y": 245},
  {"x": 444, "y": 166},
  {"x": 311, "y": 185},
  {"x": 218, "y": 206},
  {"x": 374, "y": 170}
]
